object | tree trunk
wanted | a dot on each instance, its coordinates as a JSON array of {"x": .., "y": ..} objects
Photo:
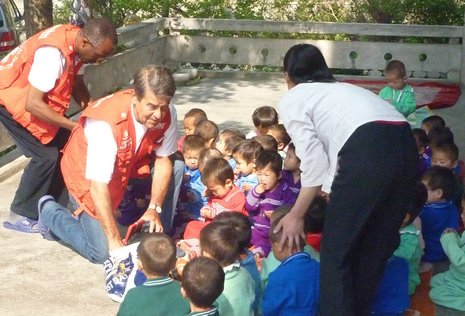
[{"x": 38, "y": 15}]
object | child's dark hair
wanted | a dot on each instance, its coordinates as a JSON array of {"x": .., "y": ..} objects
[
  {"x": 207, "y": 154},
  {"x": 314, "y": 219},
  {"x": 291, "y": 147},
  {"x": 450, "y": 149},
  {"x": 193, "y": 142},
  {"x": 207, "y": 129},
  {"x": 268, "y": 142},
  {"x": 396, "y": 66},
  {"x": 241, "y": 224},
  {"x": 264, "y": 117},
  {"x": 420, "y": 137},
  {"x": 440, "y": 135},
  {"x": 280, "y": 134},
  {"x": 197, "y": 114},
  {"x": 220, "y": 241},
  {"x": 433, "y": 121},
  {"x": 268, "y": 157},
  {"x": 276, "y": 217},
  {"x": 438, "y": 177},
  {"x": 203, "y": 281},
  {"x": 157, "y": 252},
  {"x": 217, "y": 169},
  {"x": 420, "y": 196},
  {"x": 248, "y": 150},
  {"x": 231, "y": 138}
]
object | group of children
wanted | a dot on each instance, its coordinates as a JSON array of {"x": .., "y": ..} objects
[{"x": 236, "y": 188}]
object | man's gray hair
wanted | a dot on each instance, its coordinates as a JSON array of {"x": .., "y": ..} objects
[{"x": 156, "y": 79}]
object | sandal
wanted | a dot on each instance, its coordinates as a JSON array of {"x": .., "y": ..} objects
[{"x": 24, "y": 225}]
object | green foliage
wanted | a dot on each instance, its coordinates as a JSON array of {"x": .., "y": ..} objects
[{"x": 62, "y": 12}]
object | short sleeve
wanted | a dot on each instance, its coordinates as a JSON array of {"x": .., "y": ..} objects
[{"x": 47, "y": 67}]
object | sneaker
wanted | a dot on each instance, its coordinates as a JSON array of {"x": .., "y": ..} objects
[
  {"x": 116, "y": 276},
  {"x": 43, "y": 229}
]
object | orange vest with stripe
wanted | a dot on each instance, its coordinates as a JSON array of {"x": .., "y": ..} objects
[
  {"x": 14, "y": 84},
  {"x": 114, "y": 109}
]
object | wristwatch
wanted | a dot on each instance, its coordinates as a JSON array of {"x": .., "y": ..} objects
[{"x": 155, "y": 207}]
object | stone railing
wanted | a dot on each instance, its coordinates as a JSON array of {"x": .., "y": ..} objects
[{"x": 176, "y": 41}]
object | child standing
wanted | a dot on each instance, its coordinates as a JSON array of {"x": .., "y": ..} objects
[
  {"x": 219, "y": 241},
  {"x": 409, "y": 247},
  {"x": 226, "y": 141},
  {"x": 263, "y": 117},
  {"x": 264, "y": 198},
  {"x": 245, "y": 154},
  {"x": 438, "y": 213},
  {"x": 191, "y": 119},
  {"x": 159, "y": 295},
  {"x": 202, "y": 284},
  {"x": 293, "y": 288},
  {"x": 398, "y": 92},
  {"x": 448, "y": 288}
]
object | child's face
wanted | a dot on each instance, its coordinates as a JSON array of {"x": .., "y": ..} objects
[
  {"x": 221, "y": 146},
  {"x": 291, "y": 162},
  {"x": 395, "y": 81},
  {"x": 189, "y": 125},
  {"x": 243, "y": 167},
  {"x": 191, "y": 158},
  {"x": 267, "y": 178},
  {"x": 219, "y": 190},
  {"x": 439, "y": 158}
]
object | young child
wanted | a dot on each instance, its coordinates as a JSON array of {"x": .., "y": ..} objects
[
  {"x": 208, "y": 130},
  {"x": 268, "y": 142},
  {"x": 438, "y": 213},
  {"x": 293, "y": 288},
  {"x": 264, "y": 198},
  {"x": 448, "y": 288},
  {"x": 159, "y": 295},
  {"x": 226, "y": 141},
  {"x": 191, "y": 119},
  {"x": 398, "y": 92},
  {"x": 204, "y": 156},
  {"x": 409, "y": 247},
  {"x": 432, "y": 121},
  {"x": 190, "y": 197},
  {"x": 245, "y": 154},
  {"x": 263, "y": 117},
  {"x": 291, "y": 172},
  {"x": 219, "y": 241},
  {"x": 202, "y": 284},
  {"x": 424, "y": 151},
  {"x": 278, "y": 131}
]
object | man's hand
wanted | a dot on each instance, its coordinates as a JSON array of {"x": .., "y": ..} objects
[
  {"x": 246, "y": 187},
  {"x": 115, "y": 243},
  {"x": 293, "y": 230},
  {"x": 154, "y": 218}
]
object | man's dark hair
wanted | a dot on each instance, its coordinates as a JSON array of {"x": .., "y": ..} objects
[{"x": 98, "y": 30}]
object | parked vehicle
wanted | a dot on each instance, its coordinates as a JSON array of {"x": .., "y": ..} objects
[{"x": 10, "y": 19}]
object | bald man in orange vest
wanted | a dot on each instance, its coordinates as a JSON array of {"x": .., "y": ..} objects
[{"x": 37, "y": 80}]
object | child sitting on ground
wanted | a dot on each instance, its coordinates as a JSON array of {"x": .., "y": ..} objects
[
  {"x": 159, "y": 295},
  {"x": 291, "y": 172},
  {"x": 398, "y": 92},
  {"x": 267, "y": 142},
  {"x": 293, "y": 288},
  {"x": 438, "y": 213},
  {"x": 263, "y": 117},
  {"x": 448, "y": 288},
  {"x": 424, "y": 151},
  {"x": 202, "y": 284},
  {"x": 208, "y": 130},
  {"x": 190, "y": 198},
  {"x": 432, "y": 121},
  {"x": 409, "y": 247},
  {"x": 191, "y": 119},
  {"x": 264, "y": 198},
  {"x": 219, "y": 241},
  {"x": 278, "y": 131},
  {"x": 245, "y": 154},
  {"x": 226, "y": 141}
]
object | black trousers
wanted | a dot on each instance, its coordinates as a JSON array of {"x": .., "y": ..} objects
[
  {"x": 42, "y": 176},
  {"x": 369, "y": 197}
]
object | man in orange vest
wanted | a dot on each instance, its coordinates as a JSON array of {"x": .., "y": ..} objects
[
  {"x": 37, "y": 80},
  {"x": 117, "y": 137}
]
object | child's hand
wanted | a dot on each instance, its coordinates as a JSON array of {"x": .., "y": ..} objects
[
  {"x": 268, "y": 213},
  {"x": 449, "y": 230},
  {"x": 206, "y": 212},
  {"x": 246, "y": 187},
  {"x": 259, "y": 188}
]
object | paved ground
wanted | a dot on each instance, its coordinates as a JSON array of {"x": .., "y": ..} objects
[{"x": 39, "y": 277}]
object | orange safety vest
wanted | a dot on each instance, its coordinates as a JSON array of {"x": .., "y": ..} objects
[
  {"x": 14, "y": 84},
  {"x": 114, "y": 109}
]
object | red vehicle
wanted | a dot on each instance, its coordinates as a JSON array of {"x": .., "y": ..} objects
[{"x": 10, "y": 18}]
